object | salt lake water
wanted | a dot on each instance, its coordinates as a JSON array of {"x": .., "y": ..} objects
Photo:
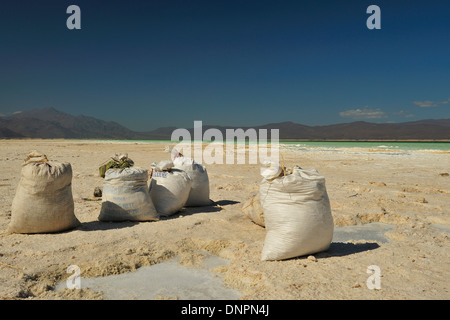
[
  {"x": 379, "y": 146},
  {"x": 335, "y": 145}
]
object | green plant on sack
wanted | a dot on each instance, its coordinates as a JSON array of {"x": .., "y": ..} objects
[{"x": 119, "y": 162}]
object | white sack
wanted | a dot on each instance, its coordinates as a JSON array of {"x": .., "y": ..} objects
[
  {"x": 297, "y": 215},
  {"x": 43, "y": 201},
  {"x": 125, "y": 196},
  {"x": 199, "y": 194},
  {"x": 169, "y": 190}
]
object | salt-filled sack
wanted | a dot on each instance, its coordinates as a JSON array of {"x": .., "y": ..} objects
[
  {"x": 125, "y": 196},
  {"x": 169, "y": 188},
  {"x": 43, "y": 202},
  {"x": 199, "y": 193},
  {"x": 297, "y": 214}
]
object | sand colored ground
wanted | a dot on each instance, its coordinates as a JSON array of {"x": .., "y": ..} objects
[{"x": 408, "y": 190}]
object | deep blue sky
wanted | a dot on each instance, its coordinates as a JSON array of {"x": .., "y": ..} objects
[{"x": 147, "y": 64}]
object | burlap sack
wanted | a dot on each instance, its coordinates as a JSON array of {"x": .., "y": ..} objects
[
  {"x": 199, "y": 194},
  {"x": 43, "y": 202},
  {"x": 125, "y": 196},
  {"x": 169, "y": 188},
  {"x": 297, "y": 214}
]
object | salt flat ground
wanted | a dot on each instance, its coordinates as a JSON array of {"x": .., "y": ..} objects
[{"x": 398, "y": 203}]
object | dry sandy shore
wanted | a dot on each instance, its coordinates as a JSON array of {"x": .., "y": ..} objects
[{"x": 408, "y": 190}]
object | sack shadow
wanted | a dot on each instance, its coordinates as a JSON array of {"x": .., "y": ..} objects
[
  {"x": 112, "y": 216},
  {"x": 107, "y": 225},
  {"x": 215, "y": 206},
  {"x": 340, "y": 249},
  {"x": 224, "y": 202}
]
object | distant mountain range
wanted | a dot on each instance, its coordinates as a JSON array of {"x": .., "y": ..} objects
[{"x": 49, "y": 123}]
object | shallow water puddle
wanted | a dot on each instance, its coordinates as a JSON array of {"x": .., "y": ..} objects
[
  {"x": 369, "y": 232},
  {"x": 171, "y": 280},
  {"x": 164, "y": 280},
  {"x": 441, "y": 227}
]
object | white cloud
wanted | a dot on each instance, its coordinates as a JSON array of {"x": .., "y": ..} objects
[
  {"x": 446, "y": 101},
  {"x": 430, "y": 104},
  {"x": 426, "y": 104},
  {"x": 364, "y": 113}
]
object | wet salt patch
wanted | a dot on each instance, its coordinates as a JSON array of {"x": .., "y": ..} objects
[
  {"x": 441, "y": 226},
  {"x": 164, "y": 280},
  {"x": 369, "y": 232}
]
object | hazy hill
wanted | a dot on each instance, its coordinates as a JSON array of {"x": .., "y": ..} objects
[
  {"x": 51, "y": 123},
  {"x": 360, "y": 130}
]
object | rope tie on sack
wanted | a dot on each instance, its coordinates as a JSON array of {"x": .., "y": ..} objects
[{"x": 35, "y": 157}]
